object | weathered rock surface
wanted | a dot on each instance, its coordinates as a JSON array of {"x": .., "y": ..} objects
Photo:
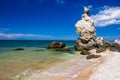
[
  {"x": 115, "y": 47},
  {"x": 117, "y": 41},
  {"x": 59, "y": 46},
  {"x": 85, "y": 28}
]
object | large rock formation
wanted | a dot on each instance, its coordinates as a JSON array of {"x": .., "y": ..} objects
[{"x": 85, "y": 28}]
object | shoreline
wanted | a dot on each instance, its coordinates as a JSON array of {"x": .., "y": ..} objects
[
  {"x": 85, "y": 74},
  {"x": 68, "y": 70},
  {"x": 78, "y": 68}
]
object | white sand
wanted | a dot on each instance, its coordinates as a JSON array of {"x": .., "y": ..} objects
[{"x": 109, "y": 69}]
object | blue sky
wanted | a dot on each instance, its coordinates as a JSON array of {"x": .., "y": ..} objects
[{"x": 55, "y": 19}]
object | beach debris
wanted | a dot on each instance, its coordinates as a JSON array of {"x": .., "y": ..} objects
[
  {"x": 58, "y": 46},
  {"x": 19, "y": 49}
]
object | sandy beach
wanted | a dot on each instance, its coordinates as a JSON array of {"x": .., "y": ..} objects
[
  {"x": 82, "y": 69},
  {"x": 75, "y": 69}
]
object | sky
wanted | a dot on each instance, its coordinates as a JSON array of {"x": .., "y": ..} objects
[{"x": 56, "y": 19}]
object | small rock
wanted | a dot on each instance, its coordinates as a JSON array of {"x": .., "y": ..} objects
[
  {"x": 59, "y": 46},
  {"x": 54, "y": 45},
  {"x": 99, "y": 41},
  {"x": 115, "y": 47},
  {"x": 91, "y": 56},
  {"x": 84, "y": 52},
  {"x": 117, "y": 41},
  {"x": 19, "y": 49}
]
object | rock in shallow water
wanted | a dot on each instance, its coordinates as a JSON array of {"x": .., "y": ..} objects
[
  {"x": 59, "y": 46},
  {"x": 18, "y": 49},
  {"x": 56, "y": 45}
]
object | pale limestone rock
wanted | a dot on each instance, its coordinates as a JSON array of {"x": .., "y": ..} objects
[
  {"x": 99, "y": 40},
  {"x": 85, "y": 27},
  {"x": 117, "y": 41}
]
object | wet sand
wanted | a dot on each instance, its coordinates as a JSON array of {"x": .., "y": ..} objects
[{"x": 78, "y": 68}]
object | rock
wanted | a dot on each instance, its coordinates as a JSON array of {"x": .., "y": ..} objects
[
  {"x": 107, "y": 45},
  {"x": 59, "y": 46},
  {"x": 99, "y": 41},
  {"x": 88, "y": 45},
  {"x": 86, "y": 10},
  {"x": 99, "y": 50},
  {"x": 84, "y": 52},
  {"x": 85, "y": 28},
  {"x": 19, "y": 49},
  {"x": 117, "y": 41},
  {"x": 91, "y": 56},
  {"x": 54, "y": 45},
  {"x": 115, "y": 47}
]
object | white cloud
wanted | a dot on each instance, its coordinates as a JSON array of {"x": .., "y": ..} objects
[
  {"x": 16, "y": 36},
  {"x": 107, "y": 16}
]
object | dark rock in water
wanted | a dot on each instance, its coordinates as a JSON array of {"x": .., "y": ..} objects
[
  {"x": 56, "y": 45},
  {"x": 91, "y": 56},
  {"x": 19, "y": 49},
  {"x": 115, "y": 47},
  {"x": 59, "y": 46}
]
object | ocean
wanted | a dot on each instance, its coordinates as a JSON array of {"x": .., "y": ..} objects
[{"x": 35, "y": 56}]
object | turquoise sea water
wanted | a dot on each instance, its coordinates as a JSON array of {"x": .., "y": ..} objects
[{"x": 34, "y": 56}]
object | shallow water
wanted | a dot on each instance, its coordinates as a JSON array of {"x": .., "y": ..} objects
[
  {"x": 34, "y": 56},
  {"x": 14, "y": 62}
]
